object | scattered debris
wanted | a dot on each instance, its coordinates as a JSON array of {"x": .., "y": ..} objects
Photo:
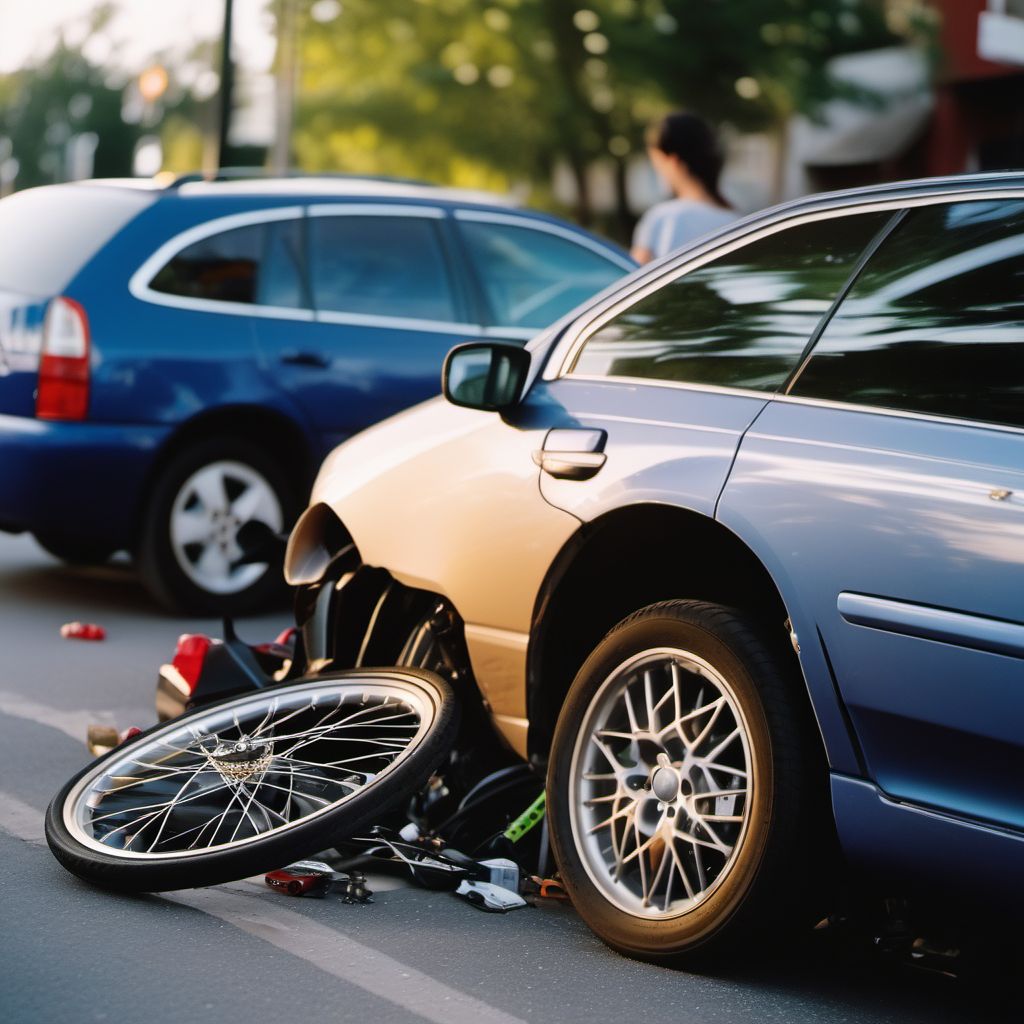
[
  {"x": 82, "y": 631},
  {"x": 317, "y": 878},
  {"x": 101, "y": 739},
  {"x": 539, "y": 890},
  {"x": 293, "y": 883},
  {"x": 492, "y": 898}
]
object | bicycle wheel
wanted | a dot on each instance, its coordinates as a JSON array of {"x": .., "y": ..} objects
[{"x": 253, "y": 782}]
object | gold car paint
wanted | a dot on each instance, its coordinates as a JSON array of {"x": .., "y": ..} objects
[{"x": 448, "y": 499}]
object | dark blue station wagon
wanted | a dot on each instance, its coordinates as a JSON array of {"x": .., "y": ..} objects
[{"x": 175, "y": 362}]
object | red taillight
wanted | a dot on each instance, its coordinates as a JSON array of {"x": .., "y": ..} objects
[
  {"x": 189, "y": 656},
  {"x": 63, "y": 392}
]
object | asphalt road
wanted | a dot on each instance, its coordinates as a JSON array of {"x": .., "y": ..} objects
[{"x": 240, "y": 952}]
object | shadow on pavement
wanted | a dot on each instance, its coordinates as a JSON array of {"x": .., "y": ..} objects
[{"x": 37, "y": 578}]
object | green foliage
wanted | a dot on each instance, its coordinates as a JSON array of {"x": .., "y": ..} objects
[
  {"x": 43, "y": 107},
  {"x": 495, "y": 92}
]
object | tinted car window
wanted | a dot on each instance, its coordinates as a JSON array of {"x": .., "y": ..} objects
[
  {"x": 935, "y": 323},
  {"x": 256, "y": 264},
  {"x": 279, "y": 281},
  {"x": 532, "y": 277},
  {"x": 741, "y": 320},
  {"x": 388, "y": 266}
]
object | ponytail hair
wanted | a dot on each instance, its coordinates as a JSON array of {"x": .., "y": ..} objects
[{"x": 690, "y": 139}]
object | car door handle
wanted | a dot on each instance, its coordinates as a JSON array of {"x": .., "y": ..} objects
[
  {"x": 572, "y": 454},
  {"x": 313, "y": 359},
  {"x": 570, "y": 465}
]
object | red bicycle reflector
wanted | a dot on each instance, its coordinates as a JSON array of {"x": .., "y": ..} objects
[
  {"x": 82, "y": 631},
  {"x": 286, "y": 636},
  {"x": 189, "y": 657},
  {"x": 63, "y": 387}
]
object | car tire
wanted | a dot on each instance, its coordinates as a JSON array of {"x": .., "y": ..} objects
[
  {"x": 713, "y": 873},
  {"x": 72, "y": 550},
  {"x": 187, "y": 571}
]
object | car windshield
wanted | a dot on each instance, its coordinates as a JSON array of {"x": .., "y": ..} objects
[{"x": 50, "y": 233}]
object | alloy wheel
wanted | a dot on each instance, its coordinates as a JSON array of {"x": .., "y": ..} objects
[
  {"x": 661, "y": 783},
  {"x": 206, "y": 515}
]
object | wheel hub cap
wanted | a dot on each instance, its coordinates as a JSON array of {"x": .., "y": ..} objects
[
  {"x": 665, "y": 780},
  {"x": 242, "y": 759}
]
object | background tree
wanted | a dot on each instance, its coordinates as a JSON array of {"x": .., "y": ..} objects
[
  {"x": 498, "y": 92},
  {"x": 44, "y": 108}
]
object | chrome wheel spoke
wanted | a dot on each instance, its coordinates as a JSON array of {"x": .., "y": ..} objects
[{"x": 223, "y": 777}]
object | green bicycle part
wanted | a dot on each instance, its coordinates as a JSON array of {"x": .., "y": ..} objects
[{"x": 533, "y": 815}]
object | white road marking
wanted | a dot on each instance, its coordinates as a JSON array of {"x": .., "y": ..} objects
[
  {"x": 344, "y": 958},
  {"x": 20, "y": 820},
  {"x": 331, "y": 951},
  {"x": 72, "y": 723}
]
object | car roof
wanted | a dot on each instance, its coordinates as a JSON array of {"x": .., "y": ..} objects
[
  {"x": 309, "y": 186},
  {"x": 342, "y": 187},
  {"x": 949, "y": 185}
]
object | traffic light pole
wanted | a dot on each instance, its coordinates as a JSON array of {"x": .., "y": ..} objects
[{"x": 227, "y": 82}]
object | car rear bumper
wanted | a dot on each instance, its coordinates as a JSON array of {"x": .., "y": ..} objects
[{"x": 80, "y": 480}]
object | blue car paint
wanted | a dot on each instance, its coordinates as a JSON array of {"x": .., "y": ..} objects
[
  {"x": 911, "y": 500},
  {"x": 896, "y": 543},
  {"x": 54, "y": 472},
  {"x": 156, "y": 370},
  {"x": 671, "y": 445},
  {"x": 971, "y": 631},
  {"x": 903, "y": 842},
  {"x": 922, "y": 536}
]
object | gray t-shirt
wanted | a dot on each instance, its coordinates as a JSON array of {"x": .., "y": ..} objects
[{"x": 674, "y": 222}]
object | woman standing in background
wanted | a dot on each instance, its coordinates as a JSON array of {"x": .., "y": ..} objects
[{"x": 686, "y": 157}]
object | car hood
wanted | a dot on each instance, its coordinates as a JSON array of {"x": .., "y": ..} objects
[{"x": 390, "y": 445}]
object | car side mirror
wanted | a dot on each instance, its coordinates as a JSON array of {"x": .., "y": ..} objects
[{"x": 485, "y": 375}]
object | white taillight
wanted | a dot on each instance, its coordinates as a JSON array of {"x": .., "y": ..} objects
[
  {"x": 65, "y": 332},
  {"x": 63, "y": 391}
]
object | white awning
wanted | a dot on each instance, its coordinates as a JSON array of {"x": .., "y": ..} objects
[{"x": 864, "y": 133}]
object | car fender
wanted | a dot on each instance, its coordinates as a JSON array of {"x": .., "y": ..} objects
[{"x": 447, "y": 500}]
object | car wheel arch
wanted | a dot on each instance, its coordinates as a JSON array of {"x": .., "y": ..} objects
[
  {"x": 284, "y": 438},
  {"x": 623, "y": 561}
]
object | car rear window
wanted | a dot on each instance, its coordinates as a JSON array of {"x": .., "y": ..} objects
[
  {"x": 50, "y": 233},
  {"x": 935, "y": 323},
  {"x": 258, "y": 264}
]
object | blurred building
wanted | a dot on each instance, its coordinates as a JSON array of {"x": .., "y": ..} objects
[
  {"x": 966, "y": 115},
  {"x": 914, "y": 119},
  {"x": 978, "y": 123}
]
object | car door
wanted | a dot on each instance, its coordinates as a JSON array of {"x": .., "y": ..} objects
[
  {"x": 651, "y": 398},
  {"x": 386, "y": 310},
  {"x": 886, "y": 494},
  {"x": 529, "y": 272},
  {"x": 221, "y": 280}
]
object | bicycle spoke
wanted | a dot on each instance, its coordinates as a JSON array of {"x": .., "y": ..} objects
[{"x": 223, "y": 777}]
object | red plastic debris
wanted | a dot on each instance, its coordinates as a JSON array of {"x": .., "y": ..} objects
[
  {"x": 82, "y": 631},
  {"x": 295, "y": 884},
  {"x": 189, "y": 656},
  {"x": 281, "y": 647},
  {"x": 286, "y": 636}
]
